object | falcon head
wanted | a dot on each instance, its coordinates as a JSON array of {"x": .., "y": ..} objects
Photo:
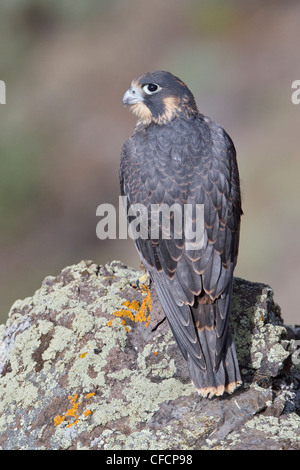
[{"x": 159, "y": 97}]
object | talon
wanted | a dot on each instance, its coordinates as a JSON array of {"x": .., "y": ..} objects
[{"x": 142, "y": 280}]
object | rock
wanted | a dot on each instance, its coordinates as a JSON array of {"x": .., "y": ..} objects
[{"x": 89, "y": 362}]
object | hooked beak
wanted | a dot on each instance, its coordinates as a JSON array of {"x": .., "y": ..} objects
[{"x": 132, "y": 96}]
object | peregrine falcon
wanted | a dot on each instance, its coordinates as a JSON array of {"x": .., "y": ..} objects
[{"x": 177, "y": 155}]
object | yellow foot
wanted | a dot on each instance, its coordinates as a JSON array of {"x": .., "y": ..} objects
[
  {"x": 141, "y": 281},
  {"x": 144, "y": 279}
]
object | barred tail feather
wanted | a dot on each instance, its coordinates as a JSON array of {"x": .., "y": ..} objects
[
  {"x": 203, "y": 336},
  {"x": 212, "y": 382}
]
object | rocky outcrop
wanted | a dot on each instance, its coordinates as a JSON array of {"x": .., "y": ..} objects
[{"x": 89, "y": 362}]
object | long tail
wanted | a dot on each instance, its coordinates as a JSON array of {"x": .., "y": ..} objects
[
  {"x": 204, "y": 338},
  {"x": 215, "y": 381},
  {"x": 212, "y": 325}
]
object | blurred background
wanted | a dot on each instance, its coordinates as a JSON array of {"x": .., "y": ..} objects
[{"x": 66, "y": 65}]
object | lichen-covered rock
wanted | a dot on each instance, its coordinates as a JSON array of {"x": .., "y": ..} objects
[{"x": 89, "y": 362}]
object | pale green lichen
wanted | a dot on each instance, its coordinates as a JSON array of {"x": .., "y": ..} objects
[
  {"x": 110, "y": 410},
  {"x": 277, "y": 353},
  {"x": 82, "y": 323},
  {"x": 277, "y": 428},
  {"x": 144, "y": 396},
  {"x": 256, "y": 358},
  {"x": 165, "y": 367},
  {"x": 61, "y": 339},
  {"x": 61, "y": 342},
  {"x": 141, "y": 440},
  {"x": 257, "y": 341},
  {"x": 120, "y": 375}
]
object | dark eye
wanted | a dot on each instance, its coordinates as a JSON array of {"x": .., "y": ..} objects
[{"x": 151, "y": 88}]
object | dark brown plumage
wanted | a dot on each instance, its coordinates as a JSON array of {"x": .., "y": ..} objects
[{"x": 177, "y": 155}]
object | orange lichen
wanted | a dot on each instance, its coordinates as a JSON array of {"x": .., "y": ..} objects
[
  {"x": 83, "y": 355},
  {"x": 122, "y": 312},
  {"x": 73, "y": 411},
  {"x": 133, "y": 305},
  {"x": 135, "y": 311},
  {"x": 72, "y": 424},
  {"x": 155, "y": 353},
  {"x": 145, "y": 308},
  {"x": 59, "y": 419}
]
